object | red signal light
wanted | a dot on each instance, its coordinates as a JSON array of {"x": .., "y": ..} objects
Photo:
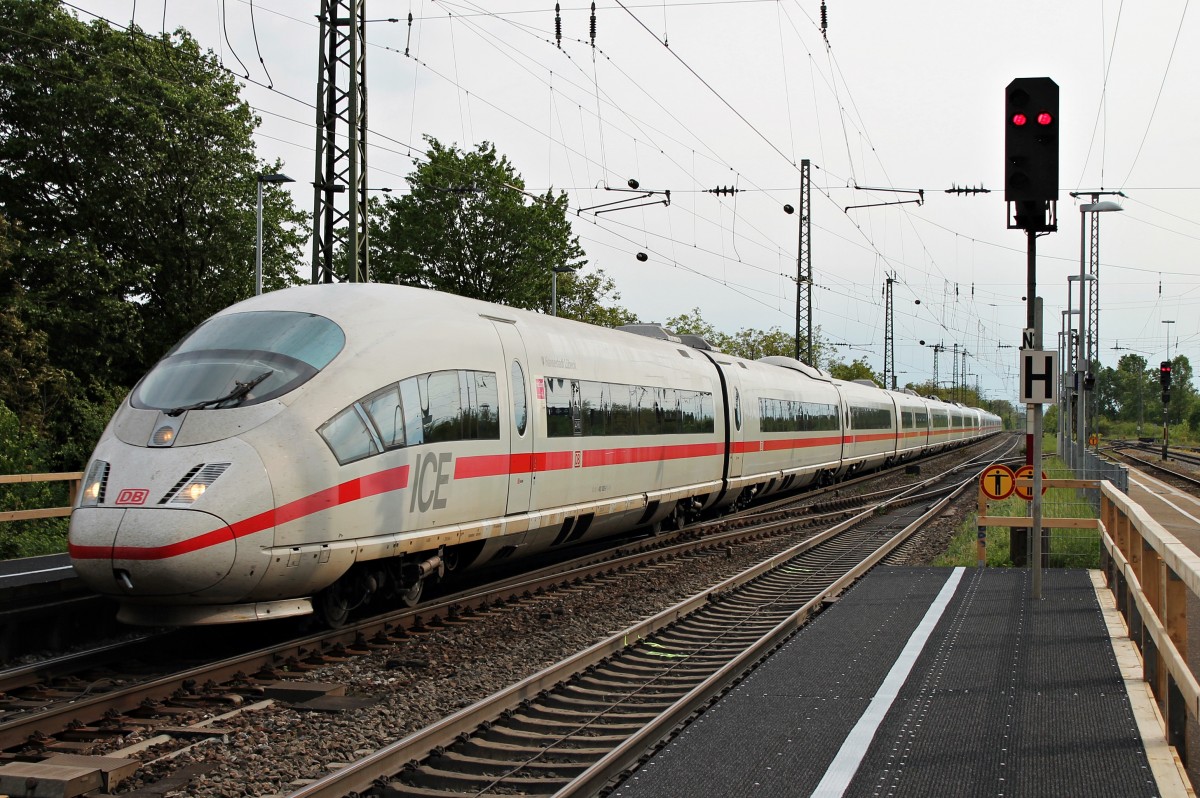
[
  {"x": 1019, "y": 119},
  {"x": 1044, "y": 118}
]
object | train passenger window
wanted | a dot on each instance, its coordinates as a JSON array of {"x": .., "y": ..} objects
[
  {"x": 647, "y": 420},
  {"x": 669, "y": 418},
  {"x": 558, "y": 408},
  {"x": 485, "y": 405},
  {"x": 585, "y": 407},
  {"x": 414, "y": 428},
  {"x": 384, "y": 409},
  {"x": 347, "y": 436},
  {"x": 620, "y": 418},
  {"x": 520, "y": 403},
  {"x": 595, "y": 403},
  {"x": 441, "y": 406}
]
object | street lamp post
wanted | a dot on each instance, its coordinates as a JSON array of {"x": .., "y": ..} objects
[
  {"x": 557, "y": 270},
  {"x": 263, "y": 178}
]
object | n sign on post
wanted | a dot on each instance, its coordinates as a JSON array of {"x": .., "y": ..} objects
[{"x": 1039, "y": 377}]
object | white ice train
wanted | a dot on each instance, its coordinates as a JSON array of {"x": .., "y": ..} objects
[{"x": 309, "y": 448}]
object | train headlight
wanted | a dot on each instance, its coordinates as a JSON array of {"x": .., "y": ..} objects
[
  {"x": 94, "y": 484},
  {"x": 195, "y": 483},
  {"x": 166, "y": 429}
]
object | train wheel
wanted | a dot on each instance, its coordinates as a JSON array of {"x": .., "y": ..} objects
[
  {"x": 332, "y": 606},
  {"x": 412, "y": 596}
]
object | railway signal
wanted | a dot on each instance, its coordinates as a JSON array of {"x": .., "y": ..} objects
[
  {"x": 1164, "y": 374},
  {"x": 1031, "y": 141}
]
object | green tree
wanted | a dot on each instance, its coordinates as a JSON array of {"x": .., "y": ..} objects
[
  {"x": 582, "y": 296},
  {"x": 127, "y": 171},
  {"x": 1183, "y": 394},
  {"x": 858, "y": 369},
  {"x": 467, "y": 226},
  {"x": 748, "y": 342}
]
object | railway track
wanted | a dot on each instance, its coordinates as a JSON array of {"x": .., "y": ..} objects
[
  {"x": 578, "y": 725},
  {"x": 41, "y": 698},
  {"x": 1184, "y": 475},
  {"x": 52, "y": 617}
]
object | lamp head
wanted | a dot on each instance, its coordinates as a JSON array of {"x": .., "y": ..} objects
[{"x": 1100, "y": 207}]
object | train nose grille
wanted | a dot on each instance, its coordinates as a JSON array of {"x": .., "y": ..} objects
[{"x": 194, "y": 483}]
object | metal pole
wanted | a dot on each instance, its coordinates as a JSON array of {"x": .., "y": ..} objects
[
  {"x": 1069, "y": 359},
  {"x": 258, "y": 244},
  {"x": 1080, "y": 365},
  {"x": 1034, "y": 411},
  {"x": 554, "y": 292}
]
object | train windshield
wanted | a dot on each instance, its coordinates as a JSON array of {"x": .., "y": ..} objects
[{"x": 240, "y": 359}]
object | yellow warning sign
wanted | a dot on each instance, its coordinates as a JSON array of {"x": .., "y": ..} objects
[
  {"x": 997, "y": 481},
  {"x": 1026, "y": 491}
]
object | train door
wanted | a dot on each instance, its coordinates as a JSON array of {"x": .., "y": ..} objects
[
  {"x": 521, "y": 418},
  {"x": 736, "y": 421}
]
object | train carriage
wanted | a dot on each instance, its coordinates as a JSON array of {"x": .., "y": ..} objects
[
  {"x": 791, "y": 434},
  {"x": 869, "y": 416},
  {"x": 912, "y": 424},
  {"x": 315, "y": 447}
]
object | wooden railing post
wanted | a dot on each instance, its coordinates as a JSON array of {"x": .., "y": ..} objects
[{"x": 1174, "y": 618}]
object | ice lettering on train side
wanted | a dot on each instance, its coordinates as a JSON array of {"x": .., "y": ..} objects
[{"x": 431, "y": 473}]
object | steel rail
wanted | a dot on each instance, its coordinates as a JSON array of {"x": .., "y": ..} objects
[{"x": 361, "y": 775}]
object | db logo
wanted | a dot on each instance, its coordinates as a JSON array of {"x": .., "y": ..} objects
[{"x": 133, "y": 496}]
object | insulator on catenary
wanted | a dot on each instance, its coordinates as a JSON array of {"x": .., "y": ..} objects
[
  {"x": 824, "y": 20},
  {"x": 557, "y": 26},
  {"x": 408, "y": 41},
  {"x": 593, "y": 25}
]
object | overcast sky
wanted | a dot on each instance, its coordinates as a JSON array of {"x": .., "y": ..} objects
[{"x": 690, "y": 96}]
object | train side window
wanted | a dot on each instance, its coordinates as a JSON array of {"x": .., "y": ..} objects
[
  {"x": 558, "y": 407},
  {"x": 647, "y": 420},
  {"x": 485, "y": 405},
  {"x": 384, "y": 409},
  {"x": 595, "y": 402},
  {"x": 347, "y": 436},
  {"x": 444, "y": 419},
  {"x": 621, "y": 419},
  {"x": 410, "y": 395},
  {"x": 520, "y": 401}
]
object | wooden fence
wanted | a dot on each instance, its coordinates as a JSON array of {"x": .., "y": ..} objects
[
  {"x": 75, "y": 478},
  {"x": 1151, "y": 574}
]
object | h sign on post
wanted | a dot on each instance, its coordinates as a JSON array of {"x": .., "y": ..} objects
[{"x": 1039, "y": 377}]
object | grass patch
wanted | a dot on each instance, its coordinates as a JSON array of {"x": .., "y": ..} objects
[{"x": 1068, "y": 548}]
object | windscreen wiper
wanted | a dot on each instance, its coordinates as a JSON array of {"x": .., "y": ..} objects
[{"x": 239, "y": 392}]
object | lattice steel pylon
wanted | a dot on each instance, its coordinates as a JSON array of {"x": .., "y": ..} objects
[
  {"x": 889, "y": 337},
  {"x": 804, "y": 277},
  {"x": 1093, "y": 309},
  {"x": 341, "y": 166},
  {"x": 954, "y": 384}
]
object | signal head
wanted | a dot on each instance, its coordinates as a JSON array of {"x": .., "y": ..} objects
[{"x": 1031, "y": 140}]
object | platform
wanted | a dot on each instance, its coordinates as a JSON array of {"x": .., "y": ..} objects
[{"x": 934, "y": 682}]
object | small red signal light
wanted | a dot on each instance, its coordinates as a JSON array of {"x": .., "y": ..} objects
[
  {"x": 1019, "y": 119},
  {"x": 1044, "y": 118}
]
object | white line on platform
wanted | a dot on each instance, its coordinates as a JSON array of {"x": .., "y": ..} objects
[{"x": 837, "y": 778}]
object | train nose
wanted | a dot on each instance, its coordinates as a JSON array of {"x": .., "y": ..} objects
[{"x": 122, "y": 552}]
